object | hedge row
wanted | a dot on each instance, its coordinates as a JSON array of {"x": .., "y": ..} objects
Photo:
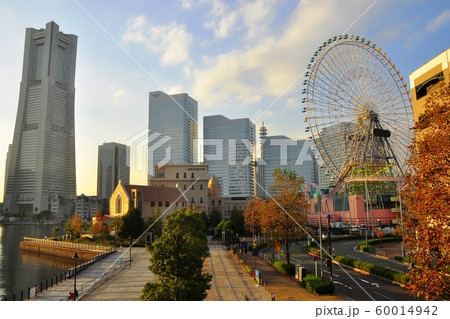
[
  {"x": 283, "y": 267},
  {"x": 312, "y": 283},
  {"x": 376, "y": 241},
  {"x": 317, "y": 285}
]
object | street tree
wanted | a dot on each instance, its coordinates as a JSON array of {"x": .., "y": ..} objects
[
  {"x": 132, "y": 225},
  {"x": 237, "y": 217},
  {"x": 285, "y": 214},
  {"x": 177, "y": 259},
  {"x": 252, "y": 214},
  {"x": 427, "y": 195},
  {"x": 99, "y": 226},
  {"x": 155, "y": 223},
  {"x": 74, "y": 226},
  {"x": 214, "y": 218}
]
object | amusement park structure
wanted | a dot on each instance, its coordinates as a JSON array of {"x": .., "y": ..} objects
[{"x": 359, "y": 115}]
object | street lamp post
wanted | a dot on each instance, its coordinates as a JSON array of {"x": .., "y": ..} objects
[
  {"x": 129, "y": 237},
  {"x": 75, "y": 258}
]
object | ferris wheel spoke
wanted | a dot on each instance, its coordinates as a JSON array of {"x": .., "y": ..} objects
[{"x": 351, "y": 88}]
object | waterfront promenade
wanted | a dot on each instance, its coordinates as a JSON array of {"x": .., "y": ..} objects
[
  {"x": 99, "y": 274},
  {"x": 124, "y": 283}
]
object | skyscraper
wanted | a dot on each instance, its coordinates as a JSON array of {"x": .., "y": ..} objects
[
  {"x": 427, "y": 79},
  {"x": 228, "y": 151},
  {"x": 173, "y": 129},
  {"x": 112, "y": 167},
  {"x": 280, "y": 151},
  {"x": 42, "y": 155}
]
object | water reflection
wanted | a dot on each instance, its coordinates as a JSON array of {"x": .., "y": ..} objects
[{"x": 19, "y": 271}]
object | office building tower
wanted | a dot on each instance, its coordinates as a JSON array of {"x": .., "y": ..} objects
[
  {"x": 427, "y": 79},
  {"x": 112, "y": 167},
  {"x": 228, "y": 152},
  {"x": 173, "y": 130},
  {"x": 282, "y": 152},
  {"x": 42, "y": 156}
]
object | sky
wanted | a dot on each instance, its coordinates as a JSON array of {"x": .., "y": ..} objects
[{"x": 240, "y": 59}]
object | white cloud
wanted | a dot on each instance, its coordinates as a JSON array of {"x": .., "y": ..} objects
[
  {"x": 439, "y": 21},
  {"x": 186, "y": 4},
  {"x": 272, "y": 64},
  {"x": 254, "y": 17},
  {"x": 171, "y": 41}
]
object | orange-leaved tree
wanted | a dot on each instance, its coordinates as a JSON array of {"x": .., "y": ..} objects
[
  {"x": 284, "y": 215},
  {"x": 74, "y": 226},
  {"x": 99, "y": 226},
  {"x": 252, "y": 213},
  {"x": 427, "y": 223}
]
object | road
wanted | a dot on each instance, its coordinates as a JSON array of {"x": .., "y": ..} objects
[
  {"x": 349, "y": 248},
  {"x": 230, "y": 282},
  {"x": 349, "y": 284}
]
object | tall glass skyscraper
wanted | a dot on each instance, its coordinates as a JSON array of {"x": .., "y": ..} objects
[
  {"x": 112, "y": 167},
  {"x": 282, "y": 152},
  {"x": 228, "y": 151},
  {"x": 42, "y": 156},
  {"x": 173, "y": 129}
]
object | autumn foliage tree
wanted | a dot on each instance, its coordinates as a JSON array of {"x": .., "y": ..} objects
[
  {"x": 427, "y": 195},
  {"x": 99, "y": 226},
  {"x": 74, "y": 226},
  {"x": 282, "y": 216},
  {"x": 252, "y": 212}
]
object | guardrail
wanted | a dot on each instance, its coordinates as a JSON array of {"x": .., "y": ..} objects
[
  {"x": 54, "y": 280},
  {"x": 66, "y": 244},
  {"x": 120, "y": 264}
]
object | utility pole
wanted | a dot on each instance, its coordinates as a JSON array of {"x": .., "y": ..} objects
[{"x": 329, "y": 248}]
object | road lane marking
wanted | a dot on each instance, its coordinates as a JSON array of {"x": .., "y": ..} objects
[
  {"x": 394, "y": 269},
  {"x": 363, "y": 280},
  {"x": 334, "y": 275},
  {"x": 384, "y": 296}
]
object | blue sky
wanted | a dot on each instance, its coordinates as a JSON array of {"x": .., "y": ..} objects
[{"x": 236, "y": 58}]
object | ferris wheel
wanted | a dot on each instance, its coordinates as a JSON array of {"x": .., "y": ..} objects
[{"x": 358, "y": 109}]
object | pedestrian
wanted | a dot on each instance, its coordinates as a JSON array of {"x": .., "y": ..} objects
[
  {"x": 71, "y": 295},
  {"x": 76, "y": 294}
]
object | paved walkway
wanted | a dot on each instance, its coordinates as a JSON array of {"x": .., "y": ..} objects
[
  {"x": 127, "y": 284},
  {"x": 124, "y": 283},
  {"x": 285, "y": 287},
  {"x": 230, "y": 282},
  {"x": 118, "y": 282}
]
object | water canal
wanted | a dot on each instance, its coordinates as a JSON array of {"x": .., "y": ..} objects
[{"x": 20, "y": 270}]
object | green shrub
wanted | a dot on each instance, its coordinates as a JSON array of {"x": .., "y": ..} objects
[
  {"x": 366, "y": 266},
  {"x": 283, "y": 267},
  {"x": 344, "y": 260},
  {"x": 377, "y": 270},
  {"x": 317, "y": 285}
]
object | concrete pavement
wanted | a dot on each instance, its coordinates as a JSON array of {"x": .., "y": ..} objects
[{"x": 110, "y": 278}]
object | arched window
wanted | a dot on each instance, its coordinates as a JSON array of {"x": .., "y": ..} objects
[{"x": 119, "y": 205}]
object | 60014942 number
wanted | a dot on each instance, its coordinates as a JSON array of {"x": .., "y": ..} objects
[{"x": 404, "y": 311}]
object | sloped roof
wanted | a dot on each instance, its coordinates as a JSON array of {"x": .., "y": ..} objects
[{"x": 157, "y": 193}]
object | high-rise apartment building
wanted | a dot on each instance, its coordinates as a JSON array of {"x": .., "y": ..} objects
[
  {"x": 42, "y": 155},
  {"x": 282, "y": 152},
  {"x": 427, "y": 79},
  {"x": 112, "y": 167},
  {"x": 173, "y": 129},
  {"x": 228, "y": 152}
]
